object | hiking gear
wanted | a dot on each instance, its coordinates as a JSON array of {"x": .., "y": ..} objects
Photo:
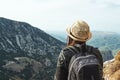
[
  {"x": 79, "y": 31},
  {"x": 84, "y": 65}
]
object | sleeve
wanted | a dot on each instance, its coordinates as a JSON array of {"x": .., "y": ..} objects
[{"x": 61, "y": 70}]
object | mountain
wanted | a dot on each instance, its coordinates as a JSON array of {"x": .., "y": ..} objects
[
  {"x": 26, "y": 52},
  {"x": 60, "y": 35},
  {"x": 107, "y": 42},
  {"x": 107, "y": 55}
]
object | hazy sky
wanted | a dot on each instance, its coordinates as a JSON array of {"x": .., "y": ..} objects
[{"x": 51, "y": 15}]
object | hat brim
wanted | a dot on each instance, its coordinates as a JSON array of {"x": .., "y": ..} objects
[{"x": 68, "y": 30}]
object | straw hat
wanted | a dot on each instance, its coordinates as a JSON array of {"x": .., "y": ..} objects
[{"x": 79, "y": 31}]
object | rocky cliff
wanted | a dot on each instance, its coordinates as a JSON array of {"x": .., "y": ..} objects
[{"x": 26, "y": 52}]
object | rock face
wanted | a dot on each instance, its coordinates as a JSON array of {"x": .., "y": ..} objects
[
  {"x": 107, "y": 55},
  {"x": 111, "y": 69},
  {"x": 26, "y": 49}
]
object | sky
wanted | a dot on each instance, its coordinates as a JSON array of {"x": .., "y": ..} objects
[{"x": 56, "y": 15}]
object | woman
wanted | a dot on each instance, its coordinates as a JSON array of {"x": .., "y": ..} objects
[{"x": 78, "y": 34}]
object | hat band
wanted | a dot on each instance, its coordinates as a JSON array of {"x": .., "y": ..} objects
[{"x": 77, "y": 37}]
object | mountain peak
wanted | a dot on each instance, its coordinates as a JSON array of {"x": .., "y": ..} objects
[{"x": 32, "y": 46}]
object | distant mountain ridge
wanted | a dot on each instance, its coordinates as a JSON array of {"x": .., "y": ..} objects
[
  {"x": 62, "y": 35},
  {"x": 26, "y": 52},
  {"x": 100, "y": 39},
  {"x": 107, "y": 42}
]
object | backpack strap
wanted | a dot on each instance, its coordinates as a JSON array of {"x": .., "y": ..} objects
[
  {"x": 89, "y": 49},
  {"x": 95, "y": 52}
]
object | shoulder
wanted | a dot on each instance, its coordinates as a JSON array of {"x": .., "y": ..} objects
[
  {"x": 95, "y": 49},
  {"x": 64, "y": 57},
  {"x": 66, "y": 52},
  {"x": 91, "y": 46}
]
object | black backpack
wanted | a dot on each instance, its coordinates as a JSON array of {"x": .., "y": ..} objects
[{"x": 84, "y": 65}]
